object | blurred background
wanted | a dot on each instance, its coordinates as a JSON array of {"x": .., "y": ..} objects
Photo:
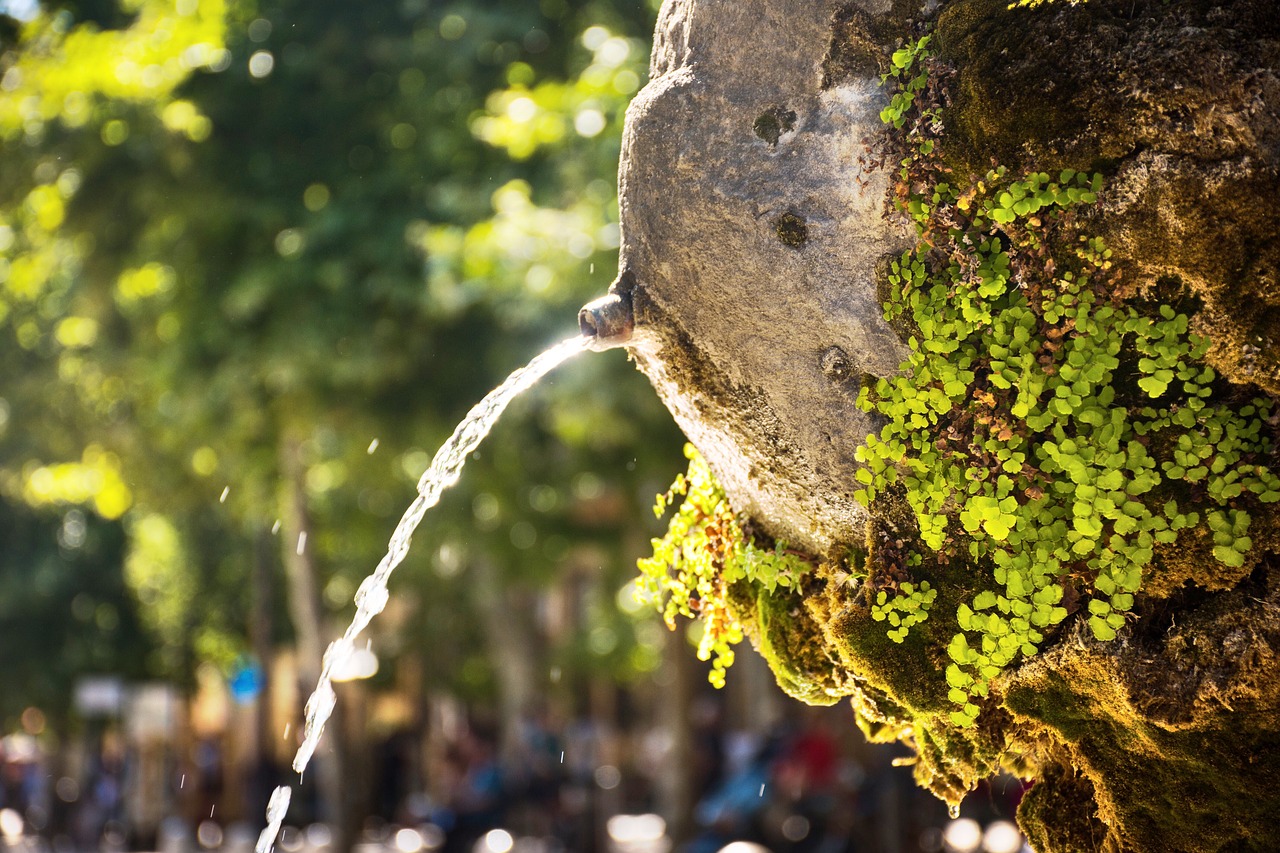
[{"x": 256, "y": 260}]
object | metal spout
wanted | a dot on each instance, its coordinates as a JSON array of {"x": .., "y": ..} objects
[{"x": 607, "y": 322}]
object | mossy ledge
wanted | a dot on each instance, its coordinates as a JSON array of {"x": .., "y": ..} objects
[{"x": 1164, "y": 741}]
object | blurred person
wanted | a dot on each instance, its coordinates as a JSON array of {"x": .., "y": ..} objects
[
  {"x": 101, "y": 803},
  {"x": 803, "y": 784},
  {"x": 806, "y": 769},
  {"x": 708, "y": 744},
  {"x": 730, "y": 811},
  {"x": 209, "y": 774},
  {"x": 584, "y": 748},
  {"x": 539, "y": 772},
  {"x": 13, "y": 779},
  {"x": 24, "y": 781},
  {"x": 476, "y": 802}
]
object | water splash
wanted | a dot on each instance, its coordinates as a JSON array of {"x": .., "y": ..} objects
[
  {"x": 371, "y": 597},
  {"x": 276, "y": 808}
]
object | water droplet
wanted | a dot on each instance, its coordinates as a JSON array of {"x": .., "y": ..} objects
[
  {"x": 373, "y": 445},
  {"x": 372, "y": 595}
]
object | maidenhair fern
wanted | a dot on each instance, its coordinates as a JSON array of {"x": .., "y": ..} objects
[
  {"x": 704, "y": 552},
  {"x": 1040, "y": 427},
  {"x": 909, "y": 606}
]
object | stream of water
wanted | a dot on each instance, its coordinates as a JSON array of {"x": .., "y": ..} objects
[{"x": 446, "y": 466}]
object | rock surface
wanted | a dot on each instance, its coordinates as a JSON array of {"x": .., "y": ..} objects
[{"x": 752, "y": 220}]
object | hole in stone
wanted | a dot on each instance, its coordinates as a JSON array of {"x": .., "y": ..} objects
[
  {"x": 773, "y": 122},
  {"x": 587, "y": 323},
  {"x": 835, "y": 364},
  {"x": 791, "y": 229}
]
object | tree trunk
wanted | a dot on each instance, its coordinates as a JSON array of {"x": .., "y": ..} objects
[
  {"x": 307, "y": 614},
  {"x": 513, "y": 647},
  {"x": 755, "y": 183},
  {"x": 676, "y": 794}
]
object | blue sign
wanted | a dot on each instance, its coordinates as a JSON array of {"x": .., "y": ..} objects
[{"x": 246, "y": 681}]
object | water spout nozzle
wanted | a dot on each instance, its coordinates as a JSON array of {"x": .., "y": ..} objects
[{"x": 607, "y": 321}]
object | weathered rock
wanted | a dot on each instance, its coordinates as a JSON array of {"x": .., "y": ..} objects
[
  {"x": 752, "y": 227},
  {"x": 1162, "y": 741}
]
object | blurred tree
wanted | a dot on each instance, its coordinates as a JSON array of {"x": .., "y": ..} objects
[
  {"x": 65, "y": 86},
  {"x": 261, "y": 300},
  {"x": 63, "y": 598}
]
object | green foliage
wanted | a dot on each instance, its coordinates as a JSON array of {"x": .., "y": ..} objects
[
  {"x": 65, "y": 610},
  {"x": 71, "y": 73},
  {"x": 704, "y": 552},
  {"x": 1041, "y": 427},
  {"x": 910, "y": 606},
  {"x": 66, "y": 80},
  {"x": 321, "y": 222},
  {"x": 909, "y": 82}
]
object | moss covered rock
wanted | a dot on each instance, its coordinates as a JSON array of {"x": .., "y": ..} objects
[
  {"x": 755, "y": 181},
  {"x": 1176, "y": 102},
  {"x": 1162, "y": 741}
]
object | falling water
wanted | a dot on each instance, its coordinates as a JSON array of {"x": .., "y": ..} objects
[{"x": 372, "y": 595}]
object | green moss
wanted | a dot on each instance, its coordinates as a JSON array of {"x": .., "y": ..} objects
[
  {"x": 1011, "y": 117},
  {"x": 795, "y": 650},
  {"x": 1059, "y": 813},
  {"x": 899, "y": 694},
  {"x": 1055, "y": 704},
  {"x": 1139, "y": 782},
  {"x": 863, "y": 646},
  {"x": 791, "y": 230},
  {"x": 772, "y": 123},
  {"x": 857, "y": 47},
  {"x": 852, "y": 50},
  {"x": 1048, "y": 88},
  {"x": 1224, "y": 250}
]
